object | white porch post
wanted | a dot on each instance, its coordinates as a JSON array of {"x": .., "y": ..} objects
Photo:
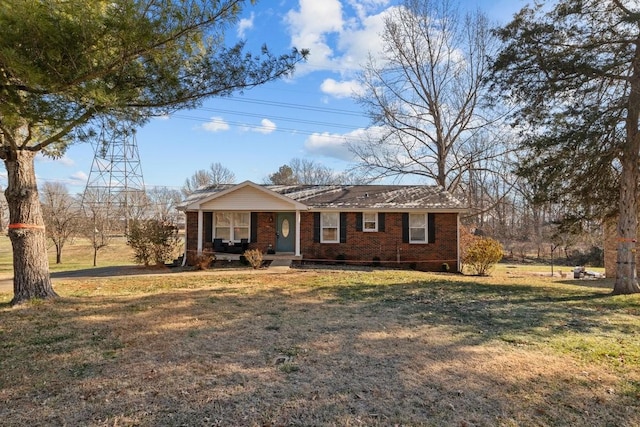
[
  {"x": 200, "y": 225},
  {"x": 458, "y": 240},
  {"x": 297, "y": 233}
]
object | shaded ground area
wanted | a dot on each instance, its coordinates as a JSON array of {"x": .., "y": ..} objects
[
  {"x": 6, "y": 281},
  {"x": 320, "y": 348}
]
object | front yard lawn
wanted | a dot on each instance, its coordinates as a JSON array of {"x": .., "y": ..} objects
[{"x": 322, "y": 347}]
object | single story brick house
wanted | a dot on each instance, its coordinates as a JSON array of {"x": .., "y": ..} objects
[{"x": 411, "y": 225}]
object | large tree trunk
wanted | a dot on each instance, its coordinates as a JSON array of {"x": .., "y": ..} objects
[
  {"x": 26, "y": 229},
  {"x": 626, "y": 271}
]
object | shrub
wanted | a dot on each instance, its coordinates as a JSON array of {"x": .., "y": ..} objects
[
  {"x": 254, "y": 258},
  {"x": 152, "y": 241},
  {"x": 482, "y": 254},
  {"x": 203, "y": 261}
]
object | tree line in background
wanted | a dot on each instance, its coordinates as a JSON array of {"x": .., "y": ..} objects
[{"x": 149, "y": 220}]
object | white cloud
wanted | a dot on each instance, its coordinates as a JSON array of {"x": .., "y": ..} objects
[
  {"x": 266, "y": 127},
  {"x": 364, "y": 7},
  {"x": 337, "y": 145},
  {"x": 64, "y": 160},
  {"x": 339, "y": 40},
  {"x": 329, "y": 145},
  {"x": 78, "y": 178},
  {"x": 343, "y": 89},
  {"x": 216, "y": 124},
  {"x": 361, "y": 39},
  {"x": 310, "y": 27},
  {"x": 244, "y": 25}
]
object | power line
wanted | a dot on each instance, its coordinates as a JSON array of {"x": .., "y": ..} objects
[
  {"x": 258, "y": 127},
  {"x": 270, "y": 117},
  {"x": 298, "y": 106}
]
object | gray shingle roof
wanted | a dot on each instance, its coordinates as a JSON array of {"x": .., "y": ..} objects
[{"x": 355, "y": 196}]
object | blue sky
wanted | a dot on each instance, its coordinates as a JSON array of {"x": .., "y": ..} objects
[{"x": 308, "y": 116}]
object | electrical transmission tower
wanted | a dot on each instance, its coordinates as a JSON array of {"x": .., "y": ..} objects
[{"x": 115, "y": 186}]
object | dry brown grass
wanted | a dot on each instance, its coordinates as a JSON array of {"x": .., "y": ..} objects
[{"x": 321, "y": 347}]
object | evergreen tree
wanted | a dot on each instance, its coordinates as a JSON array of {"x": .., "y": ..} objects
[
  {"x": 67, "y": 64},
  {"x": 573, "y": 72}
]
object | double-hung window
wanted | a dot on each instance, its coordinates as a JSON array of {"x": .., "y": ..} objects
[
  {"x": 418, "y": 228},
  {"x": 370, "y": 221},
  {"x": 232, "y": 226},
  {"x": 330, "y": 227}
]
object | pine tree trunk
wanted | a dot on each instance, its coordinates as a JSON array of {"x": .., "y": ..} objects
[
  {"x": 626, "y": 271},
  {"x": 26, "y": 230}
]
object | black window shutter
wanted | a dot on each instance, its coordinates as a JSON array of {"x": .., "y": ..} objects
[
  {"x": 343, "y": 227},
  {"x": 316, "y": 227},
  {"x": 405, "y": 227},
  {"x": 207, "y": 220},
  {"x": 431, "y": 225},
  {"x": 381, "y": 221},
  {"x": 358, "y": 221},
  {"x": 254, "y": 227}
]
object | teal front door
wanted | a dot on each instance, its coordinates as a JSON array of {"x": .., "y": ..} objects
[{"x": 286, "y": 232}]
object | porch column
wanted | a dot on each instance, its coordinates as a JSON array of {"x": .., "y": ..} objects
[
  {"x": 297, "y": 253},
  {"x": 458, "y": 241},
  {"x": 200, "y": 224}
]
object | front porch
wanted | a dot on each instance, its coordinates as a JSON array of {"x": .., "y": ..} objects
[
  {"x": 246, "y": 216},
  {"x": 265, "y": 257}
]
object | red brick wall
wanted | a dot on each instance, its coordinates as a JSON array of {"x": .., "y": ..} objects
[
  {"x": 192, "y": 236},
  {"x": 360, "y": 247}
]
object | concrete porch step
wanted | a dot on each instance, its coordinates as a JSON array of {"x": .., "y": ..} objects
[{"x": 281, "y": 262}]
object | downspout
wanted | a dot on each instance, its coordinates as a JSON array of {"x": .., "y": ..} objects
[{"x": 184, "y": 255}]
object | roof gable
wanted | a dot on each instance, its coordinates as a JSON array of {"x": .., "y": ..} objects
[{"x": 243, "y": 196}]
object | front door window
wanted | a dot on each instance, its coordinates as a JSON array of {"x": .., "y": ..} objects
[{"x": 285, "y": 228}]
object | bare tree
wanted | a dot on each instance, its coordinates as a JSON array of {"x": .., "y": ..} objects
[
  {"x": 425, "y": 94},
  {"x": 4, "y": 210},
  {"x": 60, "y": 213},
  {"x": 216, "y": 175},
  {"x": 309, "y": 172},
  {"x": 101, "y": 218},
  {"x": 162, "y": 204},
  {"x": 220, "y": 174}
]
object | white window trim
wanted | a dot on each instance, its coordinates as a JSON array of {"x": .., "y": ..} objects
[
  {"x": 232, "y": 226},
  {"x": 426, "y": 230},
  {"x": 369, "y": 230},
  {"x": 322, "y": 227}
]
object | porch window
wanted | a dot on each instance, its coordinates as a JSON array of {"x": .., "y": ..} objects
[
  {"x": 241, "y": 224},
  {"x": 418, "y": 228},
  {"x": 232, "y": 226},
  {"x": 223, "y": 226},
  {"x": 370, "y": 221},
  {"x": 329, "y": 226}
]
